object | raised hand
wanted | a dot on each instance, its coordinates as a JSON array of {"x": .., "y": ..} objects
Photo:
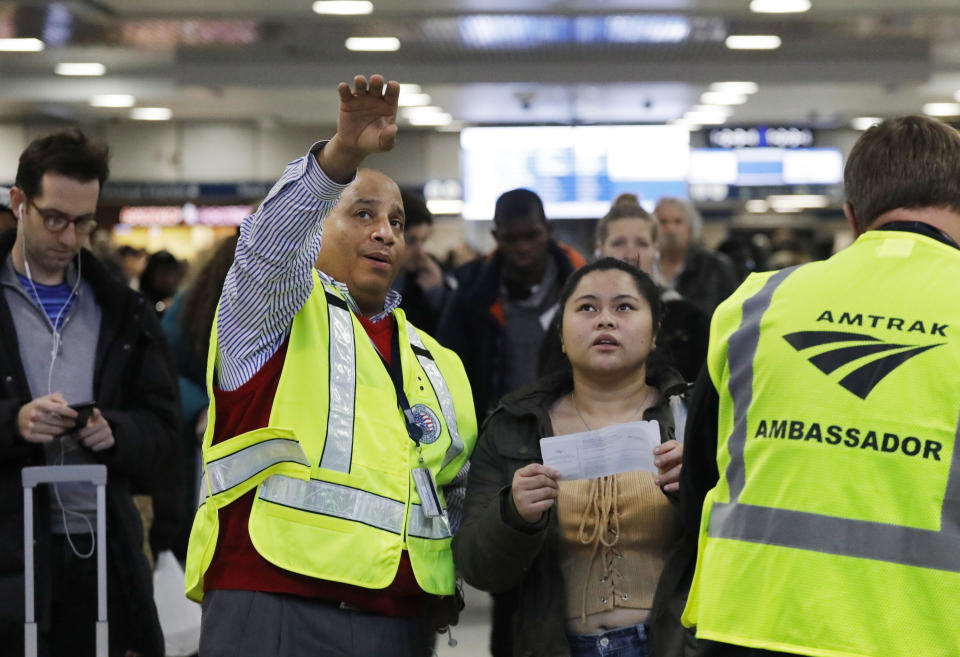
[{"x": 367, "y": 123}]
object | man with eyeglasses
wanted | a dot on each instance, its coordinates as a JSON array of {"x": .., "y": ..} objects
[{"x": 70, "y": 334}]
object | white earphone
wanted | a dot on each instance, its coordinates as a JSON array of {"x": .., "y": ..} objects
[{"x": 20, "y": 211}]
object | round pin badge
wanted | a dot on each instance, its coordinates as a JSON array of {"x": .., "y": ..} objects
[{"x": 427, "y": 420}]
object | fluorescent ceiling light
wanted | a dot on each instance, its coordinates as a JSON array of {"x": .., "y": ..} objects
[
  {"x": 410, "y": 89},
  {"x": 151, "y": 113},
  {"x": 789, "y": 202},
  {"x": 864, "y": 122},
  {"x": 722, "y": 98},
  {"x": 80, "y": 68},
  {"x": 779, "y": 6},
  {"x": 413, "y": 100},
  {"x": 373, "y": 44},
  {"x": 753, "y": 42},
  {"x": 422, "y": 110},
  {"x": 343, "y": 7},
  {"x": 705, "y": 118},
  {"x": 942, "y": 109},
  {"x": 735, "y": 87},
  {"x": 21, "y": 45},
  {"x": 435, "y": 119},
  {"x": 445, "y": 206},
  {"x": 757, "y": 205},
  {"x": 711, "y": 109},
  {"x": 113, "y": 100}
]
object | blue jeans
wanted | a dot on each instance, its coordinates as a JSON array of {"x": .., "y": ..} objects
[{"x": 622, "y": 642}]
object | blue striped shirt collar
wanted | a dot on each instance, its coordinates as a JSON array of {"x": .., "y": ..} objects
[{"x": 391, "y": 303}]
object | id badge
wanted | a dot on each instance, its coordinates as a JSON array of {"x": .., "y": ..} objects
[{"x": 427, "y": 490}]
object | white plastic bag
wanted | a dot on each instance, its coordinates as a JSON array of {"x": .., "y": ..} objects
[{"x": 179, "y": 616}]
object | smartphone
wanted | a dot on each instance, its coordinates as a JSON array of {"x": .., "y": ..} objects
[{"x": 84, "y": 411}]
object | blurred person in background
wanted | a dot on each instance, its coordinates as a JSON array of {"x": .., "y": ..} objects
[
  {"x": 71, "y": 334},
  {"x": 161, "y": 279},
  {"x": 704, "y": 278},
  {"x": 132, "y": 262},
  {"x": 583, "y": 558},
  {"x": 424, "y": 285},
  {"x": 8, "y": 220},
  {"x": 628, "y": 232},
  {"x": 187, "y": 324},
  {"x": 497, "y": 317},
  {"x": 338, "y": 432}
]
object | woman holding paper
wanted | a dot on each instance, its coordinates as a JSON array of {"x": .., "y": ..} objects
[{"x": 584, "y": 556}]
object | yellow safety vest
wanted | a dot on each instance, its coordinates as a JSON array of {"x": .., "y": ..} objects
[
  {"x": 834, "y": 529},
  {"x": 335, "y": 495}
]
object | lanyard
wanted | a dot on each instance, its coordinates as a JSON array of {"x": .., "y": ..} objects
[{"x": 395, "y": 370}]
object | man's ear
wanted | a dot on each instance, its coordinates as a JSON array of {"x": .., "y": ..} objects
[
  {"x": 851, "y": 219},
  {"x": 17, "y": 199}
]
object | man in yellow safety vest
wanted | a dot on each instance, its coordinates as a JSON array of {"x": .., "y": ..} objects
[
  {"x": 822, "y": 441},
  {"x": 338, "y": 431}
]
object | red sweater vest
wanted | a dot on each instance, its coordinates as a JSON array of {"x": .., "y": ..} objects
[{"x": 236, "y": 564}]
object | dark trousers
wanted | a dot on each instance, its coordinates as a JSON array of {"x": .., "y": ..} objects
[
  {"x": 73, "y": 612},
  {"x": 256, "y": 624}
]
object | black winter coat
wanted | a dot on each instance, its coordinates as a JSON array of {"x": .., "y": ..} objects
[
  {"x": 494, "y": 556},
  {"x": 135, "y": 387}
]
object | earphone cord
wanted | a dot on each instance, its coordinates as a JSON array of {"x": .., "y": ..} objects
[{"x": 53, "y": 359}]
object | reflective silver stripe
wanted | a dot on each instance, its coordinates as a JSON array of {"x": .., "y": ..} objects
[
  {"x": 420, "y": 526},
  {"x": 334, "y": 500},
  {"x": 842, "y": 536},
  {"x": 342, "y": 386},
  {"x": 950, "y": 513},
  {"x": 236, "y": 468},
  {"x": 204, "y": 489},
  {"x": 741, "y": 350},
  {"x": 443, "y": 395}
]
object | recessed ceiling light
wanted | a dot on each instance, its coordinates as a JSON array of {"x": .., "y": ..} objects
[
  {"x": 21, "y": 45},
  {"x": 735, "y": 87},
  {"x": 722, "y": 98},
  {"x": 414, "y": 100},
  {"x": 113, "y": 100},
  {"x": 864, "y": 122},
  {"x": 711, "y": 109},
  {"x": 80, "y": 68},
  {"x": 753, "y": 42},
  {"x": 343, "y": 7},
  {"x": 151, "y": 113},
  {"x": 942, "y": 109},
  {"x": 373, "y": 44},
  {"x": 779, "y": 6}
]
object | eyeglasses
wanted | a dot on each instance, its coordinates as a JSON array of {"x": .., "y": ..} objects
[{"x": 56, "y": 221}]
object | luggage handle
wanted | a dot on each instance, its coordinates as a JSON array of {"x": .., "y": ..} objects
[{"x": 32, "y": 476}]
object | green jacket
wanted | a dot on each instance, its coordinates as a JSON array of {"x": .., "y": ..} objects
[{"x": 497, "y": 551}]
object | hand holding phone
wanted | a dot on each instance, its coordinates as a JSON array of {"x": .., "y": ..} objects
[{"x": 84, "y": 411}]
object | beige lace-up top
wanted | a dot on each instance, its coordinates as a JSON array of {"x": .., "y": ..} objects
[{"x": 614, "y": 535}]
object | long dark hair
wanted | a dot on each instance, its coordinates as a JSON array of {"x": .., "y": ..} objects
[{"x": 200, "y": 300}]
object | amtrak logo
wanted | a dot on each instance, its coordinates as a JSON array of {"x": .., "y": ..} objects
[
  {"x": 429, "y": 423},
  {"x": 879, "y": 358}
]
